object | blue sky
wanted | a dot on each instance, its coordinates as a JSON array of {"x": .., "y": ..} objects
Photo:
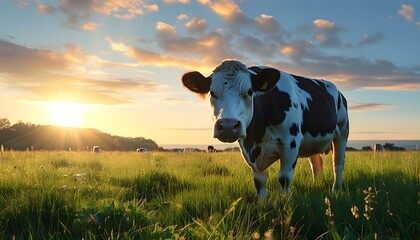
[{"x": 116, "y": 65}]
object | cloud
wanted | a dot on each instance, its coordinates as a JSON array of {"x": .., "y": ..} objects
[
  {"x": 36, "y": 61},
  {"x": 347, "y": 72},
  {"x": 176, "y": 1},
  {"x": 267, "y": 22},
  {"x": 54, "y": 76},
  {"x": 81, "y": 11},
  {"x": 182, "y": 17},
  {"x": 371, "y": 38},
  {"x": 90, "y": 26},
  {"x": 22, "y": 4},
  {"x": 165, "y": 28},
  {"x": 76, "y": 11},
  {"x": 124, "y": 9},
  {"x": 326, "y": 33},
  {"x": 407, "y": 11},
  {"x": 261, "y": 40},
  {"x": 196, "y": 25},
  {"x": 369, "y": 107},
  {"x": 147, "y": 57},
  {"x": 323, "y": 24},
  {"x": 46, "y": 9},
  {"x": 226, "y": 9}
]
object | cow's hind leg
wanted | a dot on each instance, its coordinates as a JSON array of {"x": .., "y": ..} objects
[
  {"x": 316, "y": 164},
  {"x": 260, "y": 180},
  {"x": 339, "y": 149}
]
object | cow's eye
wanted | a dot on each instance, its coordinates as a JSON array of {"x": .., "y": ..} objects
[{"x": 250, "y": 92}]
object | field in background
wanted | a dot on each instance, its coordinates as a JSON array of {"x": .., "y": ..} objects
[{"x": 115, "y": 195}]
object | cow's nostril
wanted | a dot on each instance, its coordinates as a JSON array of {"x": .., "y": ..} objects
[
  {"x": 237, "y": 126},
  {"x": 219, "y": 126}
]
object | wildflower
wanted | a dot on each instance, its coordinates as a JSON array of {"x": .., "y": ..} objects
[
  {"x": 269, "y": 234},
  {"x": 328, "y": 212},
  {"x": 292, "y": 229},
  {"x": 355, "y": 211},
  {"x": 369, "y": 201},
  {"x": 292, "y": 232}
]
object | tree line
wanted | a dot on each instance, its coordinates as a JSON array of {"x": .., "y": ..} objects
[{"x": 22, "y": 136}]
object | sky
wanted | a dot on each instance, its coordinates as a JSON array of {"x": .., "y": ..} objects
[{"x": 116, "y": 65}]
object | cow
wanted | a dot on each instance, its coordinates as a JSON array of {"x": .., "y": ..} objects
[
  {"x": 142, "y": 150},
  {"x": 275, "y": 115},
  {"x": 96, "y": 149}
]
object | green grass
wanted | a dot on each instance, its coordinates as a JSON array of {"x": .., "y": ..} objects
[{"x": 112, "y": 195}]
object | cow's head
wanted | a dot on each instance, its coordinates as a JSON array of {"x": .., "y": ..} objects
[{"x": 231, "y": 88}]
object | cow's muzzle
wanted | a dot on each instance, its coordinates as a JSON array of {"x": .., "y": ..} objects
[{"x": 227, "y": 130}]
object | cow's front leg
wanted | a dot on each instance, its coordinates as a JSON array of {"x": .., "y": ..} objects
[
  {"x": 287, "y": 168},
  {"x": 316, "y": 164},
  {"x": 260, "y": 180}
]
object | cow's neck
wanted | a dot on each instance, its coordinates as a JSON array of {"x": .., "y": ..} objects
[{"x": 269, "y": 110}]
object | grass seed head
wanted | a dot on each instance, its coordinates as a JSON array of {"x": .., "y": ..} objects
[{"x": 355, "y": 211}]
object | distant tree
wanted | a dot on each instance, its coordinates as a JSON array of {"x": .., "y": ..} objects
[
  {"x": 232, "y": 149},
  {"x": 392, "y": 147},
  {"x": 24, "y": 135},
  {"x": 367, "y": 148},
  {"x": 4, "y": 123},
  {"x": 389, "y": 146},
  {"x": 351, "y": 149}
]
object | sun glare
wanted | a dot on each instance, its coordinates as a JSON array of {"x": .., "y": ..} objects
[{"x": 66, "y": 114}]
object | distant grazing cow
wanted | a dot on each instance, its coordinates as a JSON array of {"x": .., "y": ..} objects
[
  {"x": 211, "y": 149},
  {"x": 96, "y": 149},
  {"x": 378, "y": 147},
  {"x": 275, "y": 115},
  {"x": 143, "y": 150}
]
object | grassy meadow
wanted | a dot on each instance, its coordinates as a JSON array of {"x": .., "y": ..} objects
[{"x": 130, "y": 195}]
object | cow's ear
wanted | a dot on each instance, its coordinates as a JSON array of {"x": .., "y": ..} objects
[
  {"x": 196, "y": 82},
  {"x": 265, "y": 79}
]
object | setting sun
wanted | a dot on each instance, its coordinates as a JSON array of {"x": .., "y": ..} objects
[{"x": 66, "y": 114}]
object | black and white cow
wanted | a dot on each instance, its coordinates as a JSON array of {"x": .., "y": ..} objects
[{"x": 275, "y": 115}]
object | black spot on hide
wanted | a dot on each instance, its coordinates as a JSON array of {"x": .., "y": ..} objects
[
  {"x": 321, "y": 117},
  {"x": 294, "y": 129},
  {"x": 293, "y": 144}
]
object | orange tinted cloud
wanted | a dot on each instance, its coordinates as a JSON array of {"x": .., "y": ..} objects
[
  {"x": 176, "y": 1},
  {"x": 227, "y": 9},
  {"x": 125, "y": 9},
  {"x": 42, "y": 8},
  {"x": 147, "y": 57},
  {"x": 266, "y": 21},
  {"x": 182, "y": 16},
  {"x": 164, "y": 27},
  {"x": 90, "y": 26},
  {"x": 70, "y": 75},
  {"x": 369, "y": 107},
  {"x": 321, "y": 23},
  {"x": 196, "y": 25},
  {"x": 407, "y": 11}
]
